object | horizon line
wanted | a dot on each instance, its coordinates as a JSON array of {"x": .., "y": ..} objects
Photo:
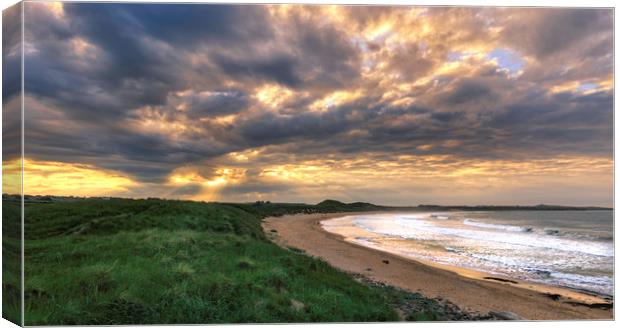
[{"x": 327, "y": 199}]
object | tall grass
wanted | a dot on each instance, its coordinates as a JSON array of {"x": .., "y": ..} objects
[{"x": 11, "y": 261}]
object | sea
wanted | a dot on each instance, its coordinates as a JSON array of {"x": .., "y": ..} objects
[{"x": 572, "y": 249}]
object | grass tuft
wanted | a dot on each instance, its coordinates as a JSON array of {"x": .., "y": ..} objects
[{"x": 245, "y": 263}]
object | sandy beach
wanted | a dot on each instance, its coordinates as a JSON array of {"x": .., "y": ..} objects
[{"x": 472, "y": 291}]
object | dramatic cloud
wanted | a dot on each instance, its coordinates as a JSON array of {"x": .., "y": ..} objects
[{"x": 394, "y": 105}]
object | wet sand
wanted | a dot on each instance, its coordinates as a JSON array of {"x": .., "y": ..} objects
[{"x": 472, "y": 291}]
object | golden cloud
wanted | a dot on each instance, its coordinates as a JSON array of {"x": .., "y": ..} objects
[
  {"x": 209, "y": 182},
  {"x": 63, "y": 179}
]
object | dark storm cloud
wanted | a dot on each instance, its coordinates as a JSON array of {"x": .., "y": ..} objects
[
  {"x": 125, "y": 71},
  {"x": 11, "y": 82},
  {"x": 11, "y": 49},
  {"x": 11, "y": 129},
  {"x": 269, "y": 128},
  {"x": 447, "y": 117},
  {"x": 544, "y": 32},
  {"x": 128, "y": 68},
  {"x": 468, "y": 91},
  {"x": 327, "y": 56},
  {"x": 11, "y": 29},
  {"x": 143, "y": 89},
  {"x": 410, "y": 62},
  {"x": 280, "y": 68},
  {"x": 146, "y": 157},
  {"x": 200, "y": 24},
  {"x": 139, "y": 55},
  {"x": 309, "y": 56},
  {"x": 216, "y": 103},
  {"x": 107, "y": 82},
  {"x": 565, "y": 123},
  {"x": 528, "y": 128}
]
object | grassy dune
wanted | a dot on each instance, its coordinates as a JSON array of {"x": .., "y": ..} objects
[{"x": 125, "y": 261}]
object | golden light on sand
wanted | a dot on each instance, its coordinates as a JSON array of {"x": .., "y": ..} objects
[{"x": 71, "y": 179}]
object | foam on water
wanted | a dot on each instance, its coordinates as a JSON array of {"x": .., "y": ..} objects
[
  {"x": 527, "y": 250},
  {"x": 505, "y": 227}
]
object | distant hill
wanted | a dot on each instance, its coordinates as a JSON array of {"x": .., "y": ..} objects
[
  {"x": 330, "y": 202},
  {"x": 339, "y": 206}
]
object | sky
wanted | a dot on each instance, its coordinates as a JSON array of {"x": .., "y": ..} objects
[{"x": 300, "y": 103}]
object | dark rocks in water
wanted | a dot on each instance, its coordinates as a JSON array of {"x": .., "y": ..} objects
[
  {"x": 386, "y": 261},
  {"x": 501, "y": 279},
  {"x": 505, "y": 315},
  {"x": 552, "y": 232},
  {"x": 528, "y": 229},
  {"x": 555, "y": 297}
]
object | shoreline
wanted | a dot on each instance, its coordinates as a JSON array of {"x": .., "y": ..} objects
[
  {"x": 581, "y": 295},
  {"x": 471, "y": 290}
]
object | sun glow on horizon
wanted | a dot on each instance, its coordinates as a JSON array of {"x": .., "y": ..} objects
[{"x": 65, "y": 179}]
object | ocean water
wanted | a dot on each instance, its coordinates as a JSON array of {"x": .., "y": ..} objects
[{"x": 571, "y": 249}]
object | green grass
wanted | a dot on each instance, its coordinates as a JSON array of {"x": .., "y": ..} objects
[
  {"x": 125, "y": 261},
  {"x": 11, "y": 261}
]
